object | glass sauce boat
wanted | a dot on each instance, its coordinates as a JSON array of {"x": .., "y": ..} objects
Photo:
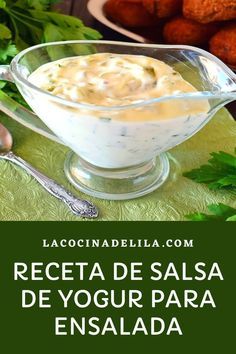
[{"x": 112, "y": 158}]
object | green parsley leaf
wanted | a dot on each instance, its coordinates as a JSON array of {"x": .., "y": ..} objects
[
  {"x": 55, "y": 33},
  {"x": 223, "y": 158},
  {"x": 220, "y": 173},
  {"x": 2, "y": 84},
  {"x": 8, "y": 51},
  {"x": 35, "y": 4},
  {"x": 5, "y": 32},
  {"x": 11, "y": 91},
  {"x": 90, "y": 33},
  {"x": 232, "y": 218},
  {"x": 2, "y": 4},
  {"x": 200, "y": 217},
  {"x": 65, "y": 27},
  {"x": 42, "y": 4},
  {"x": 220, "y": 212}
]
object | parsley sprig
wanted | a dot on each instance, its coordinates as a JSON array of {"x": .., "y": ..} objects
[
  {"x": 219, "y": 173},
  {"x": 24, "y": 23},
  {"x": 220, "y": 212}
]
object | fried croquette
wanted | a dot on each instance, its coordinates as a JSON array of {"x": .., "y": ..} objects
[
  {"x": 183, "y": 31},
  {"x": 205, "y": 11},
  {"x": 223, "y": 44},
  {"x": 163, "y": 8},
  {"x": 129, "y": 13}
]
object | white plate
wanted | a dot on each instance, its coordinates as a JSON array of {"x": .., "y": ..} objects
[{"x": 95, "y": 7}]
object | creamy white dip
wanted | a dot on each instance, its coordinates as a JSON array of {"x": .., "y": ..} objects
[
  {"x": 106, "y": 79},
  {"x": 117, "y": 138}
]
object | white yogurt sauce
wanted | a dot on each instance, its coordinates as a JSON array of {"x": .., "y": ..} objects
[{"x": 116, "y": 138}]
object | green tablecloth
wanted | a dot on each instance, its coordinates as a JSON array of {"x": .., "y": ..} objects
[{"x": 22, "y": 198}]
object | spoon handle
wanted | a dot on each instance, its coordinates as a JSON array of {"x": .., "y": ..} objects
[{"x": 79, "y": 207}]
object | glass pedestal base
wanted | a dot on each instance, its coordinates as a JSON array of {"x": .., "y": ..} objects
[{"x": 117, "y": 184}]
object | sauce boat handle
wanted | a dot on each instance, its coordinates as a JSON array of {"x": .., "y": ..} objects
[{"x": 20, "y": 113}]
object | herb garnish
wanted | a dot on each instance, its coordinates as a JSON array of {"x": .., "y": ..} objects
[
  {"x": 220, "y": 212},
  {"x": 220, "y": 173}
]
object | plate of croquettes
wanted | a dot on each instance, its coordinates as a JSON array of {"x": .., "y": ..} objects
[{"x": 209, "y": 24}]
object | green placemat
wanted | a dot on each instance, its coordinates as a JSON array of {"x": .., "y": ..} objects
[{"x": 22, "y": 198}]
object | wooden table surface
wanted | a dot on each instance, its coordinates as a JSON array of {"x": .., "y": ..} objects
[{"x": 79, "y": 8}]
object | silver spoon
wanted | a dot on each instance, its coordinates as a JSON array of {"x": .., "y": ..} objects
[{"x": 78, "y": 206}]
